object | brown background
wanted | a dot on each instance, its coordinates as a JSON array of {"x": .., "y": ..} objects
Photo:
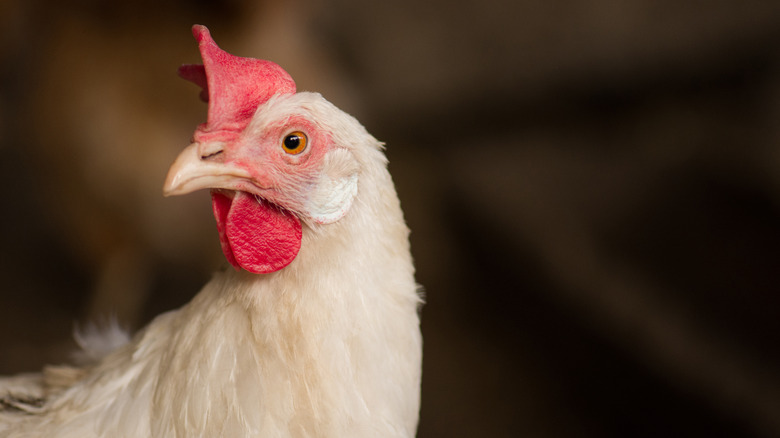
[{"x": 593, "y": 189}]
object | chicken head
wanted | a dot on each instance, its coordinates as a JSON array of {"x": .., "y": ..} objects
[{"x": 275, "y": 160}]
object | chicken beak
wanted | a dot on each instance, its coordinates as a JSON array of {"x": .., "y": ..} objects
[{"x": 191, "y": 172}]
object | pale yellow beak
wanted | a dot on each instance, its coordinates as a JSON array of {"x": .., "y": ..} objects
[{"x": 191, "y": 172}]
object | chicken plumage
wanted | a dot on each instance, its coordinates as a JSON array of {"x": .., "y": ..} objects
[{"x": 313, "y": 333}]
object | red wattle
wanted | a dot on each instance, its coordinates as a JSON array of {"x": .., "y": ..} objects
[
  {"x": 221, "y": 206},
  {"x": 255, "y": 235}
]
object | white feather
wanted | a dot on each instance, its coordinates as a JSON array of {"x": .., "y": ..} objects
[{"x": 96, "y": 341}]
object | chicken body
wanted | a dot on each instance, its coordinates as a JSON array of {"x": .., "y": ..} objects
[{"x": 327, "y": 345}]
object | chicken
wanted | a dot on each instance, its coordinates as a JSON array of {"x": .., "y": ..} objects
[{"x": 313, "y": 332}]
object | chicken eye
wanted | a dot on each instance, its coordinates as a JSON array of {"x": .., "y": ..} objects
[{"x": 295, "y": 143}]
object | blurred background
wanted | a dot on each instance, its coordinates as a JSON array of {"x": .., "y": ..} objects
[{"x": 593, "y": 189}]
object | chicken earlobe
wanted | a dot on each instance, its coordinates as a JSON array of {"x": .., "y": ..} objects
[{"x": 336, "y": 189}]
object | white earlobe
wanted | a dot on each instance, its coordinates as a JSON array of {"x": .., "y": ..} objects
[
  {"x": 336, "y": 190},
  {"x": 335, "y": 198}
]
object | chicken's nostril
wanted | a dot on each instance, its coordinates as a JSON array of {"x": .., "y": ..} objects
[
  {"x": 211, "y": 155},
  {"x": 210, "y": 150}
]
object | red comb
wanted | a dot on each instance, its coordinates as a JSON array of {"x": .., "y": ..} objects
[{"x": 233, "y": 86}]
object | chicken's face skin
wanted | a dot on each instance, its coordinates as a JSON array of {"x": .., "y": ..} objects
[
  {"x": 286, "y": 156},
  {"x": 257, "y": 161}
]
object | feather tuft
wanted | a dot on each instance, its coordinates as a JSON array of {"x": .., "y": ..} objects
[{"x": 97, "y": 340}]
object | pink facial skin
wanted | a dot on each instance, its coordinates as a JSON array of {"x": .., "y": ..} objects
[{"x": 281, "y": 177}]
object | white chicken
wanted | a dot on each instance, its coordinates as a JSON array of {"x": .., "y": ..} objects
[{"x": 315, "y": 333}]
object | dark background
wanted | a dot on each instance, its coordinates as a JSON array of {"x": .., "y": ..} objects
[{"x": 593, "y": 189}]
